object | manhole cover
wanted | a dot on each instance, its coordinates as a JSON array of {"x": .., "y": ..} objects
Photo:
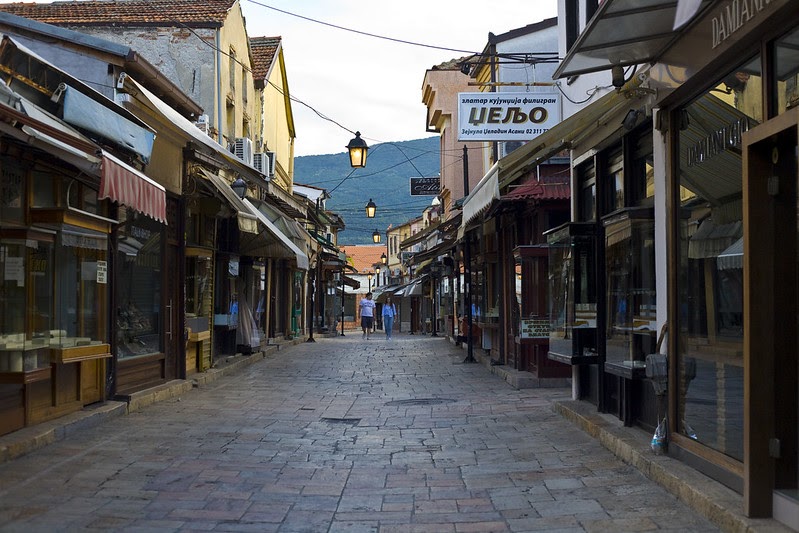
[{"x": 420, "y": 401}]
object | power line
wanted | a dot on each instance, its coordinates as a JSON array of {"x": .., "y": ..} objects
[{"x": 359, "y": 32}]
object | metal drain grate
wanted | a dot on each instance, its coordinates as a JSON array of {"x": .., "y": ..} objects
[{"x": 420, "y": 401}]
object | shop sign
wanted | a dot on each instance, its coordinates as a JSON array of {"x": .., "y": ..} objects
[
  {"x": 534, "y": 328},
  {"x": 425, "y": 186},
  {"x": 734, "y": 15},
  {"x": 506, "y": 116},
  {"x": 724, "y": 138},
  {"x": 14, "y": 270}
]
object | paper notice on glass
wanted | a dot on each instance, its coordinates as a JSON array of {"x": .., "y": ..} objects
[
  {"x": 15, "y": 270},
  {"x": 102, "y": 272}
]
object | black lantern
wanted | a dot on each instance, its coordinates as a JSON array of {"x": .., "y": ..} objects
[
  {"x": 357, "y": 148},
  {"x": 370, "y": 209},
  {"x": 239, "y": 187},
  {"x": 376, "y": 237},
  {"x": 383, "y": 258}
]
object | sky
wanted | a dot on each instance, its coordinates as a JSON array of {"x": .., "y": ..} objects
[{"x": 369, "y": 84}]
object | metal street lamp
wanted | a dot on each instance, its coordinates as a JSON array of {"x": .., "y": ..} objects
[
  {"x": 370, "y": 209},
  {"x": 358, "y": 149},
  {"x": 383, "y": 258},
  {"x": 377, "y": 275},
  {"x": 239, "y": 187},
  {"x": 369, "y": 277},
  {"x": 376, "y": 237}
]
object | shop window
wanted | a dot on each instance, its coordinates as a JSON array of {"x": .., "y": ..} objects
[
  {"x": 139, "y": 275},
  {"x": 786, "y": 67},
  {"x": 26, "y": 303},
  {"x": 641, "y": 171},
  {"x": 81, "y": 282},
  {"x": 572, "y": 292},
  {"x": 586, "y": 179},
  {"x": 198, "y": 290},
  {"x": 630, "y": 277},
  {"x": 613, "y": 179},
  {"x": 710, "y": 295},
  {"x": 12, "y": 191}
]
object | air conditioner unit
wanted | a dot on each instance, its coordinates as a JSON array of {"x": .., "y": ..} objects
[
  {"x": 242, "y": 148},
  {"x": 270, "y": 165},
  {"x": 264, "y": 162},
  {"x": 258, "y": 162},
  {"x": 203, "y": 127}
]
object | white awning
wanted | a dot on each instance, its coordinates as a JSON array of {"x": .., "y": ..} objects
[
  {"x": 248, "y": 223},
  {"x": 302, "y": 259},
  {"x": 484, "y": 193},
  {"x": 732, "y": 257}
]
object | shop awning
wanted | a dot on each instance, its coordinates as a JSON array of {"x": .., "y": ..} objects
[
  {"x": 714, "y": 176},
  {"x": 291, "y": 249},
  {"x": 540, "y": 191},
  {"x": 119, "y": 182},
  {"x": 561, "y": 136},
  {"x": 623, "y": 32},
  {"x": 732, "y": 257},
  {"x": 484, "y": 193},
  {"x": 248, "y": 223},
  {"x": 418, "y": 236},
  {"x": 711, "y": 240}
]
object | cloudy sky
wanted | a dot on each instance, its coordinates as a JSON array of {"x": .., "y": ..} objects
[{"x": 370, "y": 84}]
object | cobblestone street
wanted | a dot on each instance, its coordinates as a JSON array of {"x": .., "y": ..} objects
[{"x": 341, "y": 435}]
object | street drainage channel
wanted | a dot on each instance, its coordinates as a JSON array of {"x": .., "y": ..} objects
[
  {"x": 393, "y": 403},
  {"x": 419, "y": 401}
]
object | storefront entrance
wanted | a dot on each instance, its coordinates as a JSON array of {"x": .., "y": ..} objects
[{"x": 771, "y": 394}]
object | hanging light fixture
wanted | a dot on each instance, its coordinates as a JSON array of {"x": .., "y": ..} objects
[
  {"x": 376, "y": 237},
  {"x": 239, "y": 187},
  {"x": 383, "y": 258},
  {"x": 371, "y": 207},
  {"x": 357, "y": 148}
]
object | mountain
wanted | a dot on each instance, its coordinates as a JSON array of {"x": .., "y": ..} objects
[{"x": 385, "y": 180}]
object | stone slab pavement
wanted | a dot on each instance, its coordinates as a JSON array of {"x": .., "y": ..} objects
[{"x": 340, "y": 435}]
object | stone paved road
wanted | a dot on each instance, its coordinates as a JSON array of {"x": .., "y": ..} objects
[{"x": 341, "y": 435}]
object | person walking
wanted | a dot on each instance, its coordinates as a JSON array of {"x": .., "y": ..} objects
[
  {"x": 389, "y": 312},
  {"x": 367, "y": 315}
]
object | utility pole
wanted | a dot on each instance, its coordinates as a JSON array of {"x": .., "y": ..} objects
[{"x": 467, "y": 269}]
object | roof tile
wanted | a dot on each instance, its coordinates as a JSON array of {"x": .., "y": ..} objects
[
  {"x": 263, "y": 54},
  {"x": 123, "y": 12}
]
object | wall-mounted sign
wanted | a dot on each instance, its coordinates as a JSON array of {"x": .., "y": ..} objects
[
  {"x": 425, "y": 186},
  {"x": 534, "y": 328},
  {"x": 506, "y": 116}
]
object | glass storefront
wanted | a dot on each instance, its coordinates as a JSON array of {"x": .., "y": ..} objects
[
  {"x": 81, "y": 288},
  {"x": 139, "y": 257},
  {"x": 710, "y": 301}
]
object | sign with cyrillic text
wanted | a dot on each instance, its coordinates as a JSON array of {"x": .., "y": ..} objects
[{"x": 506, "y": 116}]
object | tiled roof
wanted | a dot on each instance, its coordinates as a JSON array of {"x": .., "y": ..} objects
[
  {"x": 263, "y": 54},
  {"x": 536, "y": 190},
  {"x": 124, "y": 12},
  {"x": 364, "y": 256}
]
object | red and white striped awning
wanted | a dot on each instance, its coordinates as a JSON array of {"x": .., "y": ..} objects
[{"x": 122, "y": 183}]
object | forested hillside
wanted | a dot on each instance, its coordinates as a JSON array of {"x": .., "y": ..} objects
[{"x": 386, "y": 180}]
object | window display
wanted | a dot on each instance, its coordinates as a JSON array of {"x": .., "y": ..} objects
[
  {"x": 26, "y": 303},
  {"x": 572, "y": 293},
  {"x": 630, "y": 277},
  {"x": 138, "y": 317}
]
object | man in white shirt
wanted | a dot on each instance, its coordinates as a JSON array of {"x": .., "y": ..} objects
[{"x": 367, "y": 315}]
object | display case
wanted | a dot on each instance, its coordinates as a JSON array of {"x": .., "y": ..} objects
[
  {"x": 26, "y": 305},
  {"x": 631, "y": 326},
  {"x": 573, "y": 293}
]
